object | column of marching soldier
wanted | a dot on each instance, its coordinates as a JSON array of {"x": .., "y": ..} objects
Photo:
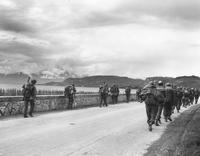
[{"x": 160, "y": 97}]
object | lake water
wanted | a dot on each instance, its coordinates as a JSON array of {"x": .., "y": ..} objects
[{"x": 58, "y": 88}]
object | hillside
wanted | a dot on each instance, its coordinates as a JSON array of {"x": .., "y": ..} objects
[
  {"x": 186, "y": 81},
  {"x": 96, "y": 81}
]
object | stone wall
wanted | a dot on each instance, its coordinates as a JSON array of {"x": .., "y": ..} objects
[{"x": 14, "y": 105}]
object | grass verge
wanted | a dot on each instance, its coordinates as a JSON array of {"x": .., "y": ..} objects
[{"x": 181, "y": 138}]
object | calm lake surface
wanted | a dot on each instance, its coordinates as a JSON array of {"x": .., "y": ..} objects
[{"x": 57, "y": 88}]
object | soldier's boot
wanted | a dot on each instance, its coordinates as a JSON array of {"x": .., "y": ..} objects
[
  {"x": 170, "y": 119},
  {"x": 25, "y": 116},
  {"x": 165, "y": 119},
  {"x": 150, "y": 127},
  {"x": 159, "y": 121},
  {"x": 156, "y": 123}
]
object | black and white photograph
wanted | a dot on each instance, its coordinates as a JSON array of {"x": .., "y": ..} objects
[{"x": 99, "y": 77}]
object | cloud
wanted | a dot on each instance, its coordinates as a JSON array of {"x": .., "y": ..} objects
[{"x": 135, "y": 38}]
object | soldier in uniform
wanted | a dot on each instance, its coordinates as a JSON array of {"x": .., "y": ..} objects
[
  {"x": 128, "y": 93},
  {"x": 160, "y": 95},
  {"x": 70, "y": 94},
  {"x": 117, "y": 93},
  {"x": 179, "y": 96},
  {"x": 196, "y": 95},
  {"x": 168, "y": 102},
  {"x": 149, "y": 95},
  {"x": 138, "y": 97},
  {"x": 191, "y": 96},
  {"x": 185, "y": 98},
  {"x": 29, "y": 96},
  {"x": 104, "y": 94},
  {"x": 114, "y": 90},
  {"x": 175, "y": 101}
]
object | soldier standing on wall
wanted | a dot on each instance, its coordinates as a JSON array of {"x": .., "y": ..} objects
[
  {"x": 29, "y": 96},
  {"x": 128, "y": 93},
  {"x": 70, "y": 92}
]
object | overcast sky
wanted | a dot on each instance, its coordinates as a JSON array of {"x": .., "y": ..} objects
[{"x": 135, "y": 38}]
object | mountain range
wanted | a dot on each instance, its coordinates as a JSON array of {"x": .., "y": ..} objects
[{"x": 96, "y": 81}]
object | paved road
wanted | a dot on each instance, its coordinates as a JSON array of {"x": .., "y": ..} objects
[{"x": 119, "y": 130}]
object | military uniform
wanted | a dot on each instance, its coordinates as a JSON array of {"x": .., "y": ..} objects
[
  {"x": 70, "y": 94},
  {"x": 185, "y": 98},
  {"x": 179, "y": 96},
  {"x": 169, "y": 100},
  {"x": 128, "y": 93},
  {"x": 191, "y": 96},
  {"x": 29, "y": 95},
  {"x": 175, "y": 100},
  {"x": 114, "y": 90},
  {"x": 103, "y": 95},
  {"x": 160, "y": 95},
  {"x": 149, "y": 92},
  {"x": 196, "y": 95}
]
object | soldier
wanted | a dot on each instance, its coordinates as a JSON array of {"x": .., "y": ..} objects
[
  {"x": 29, "y": 96},
  {"x": 196, "y": 95},
  {"x": 179, "y": 96},
  {"x": 114, "y": 90},
  {"x": 104, "y": 94},
  {"x": 70, "y": 94},
  {"x": 191, "y": 96},
  {"x": 160, "y": 95},
  {"x": 185, "y": 98},
  {"x": 175, "y": 101},
  {"x": 149, "y": 95},
  {"x": 117, "y": 93},
  {"x": 128, "y": 93},
  {"x": 168, "y": 102},
  {"x": 138, "y": 97},
  {"x": 100, "y": 95}
]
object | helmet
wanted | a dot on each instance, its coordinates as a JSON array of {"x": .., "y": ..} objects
[
  {"x": 160, "y": 83},
  {"x": 33, "y": 81},
  {"x": 168, "y": 84}
]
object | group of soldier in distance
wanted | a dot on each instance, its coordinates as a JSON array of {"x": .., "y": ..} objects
[{"x": 158, "y": 98}]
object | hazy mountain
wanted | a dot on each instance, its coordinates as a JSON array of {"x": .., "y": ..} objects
[
  {"x": 96, "y": 81},
  {"x": 21, "y": 78}
]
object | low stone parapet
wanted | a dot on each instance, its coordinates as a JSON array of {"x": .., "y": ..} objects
[{"x": 13, "y": 105}]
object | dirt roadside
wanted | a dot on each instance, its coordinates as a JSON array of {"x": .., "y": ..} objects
[{"x": 181, "y": 137}]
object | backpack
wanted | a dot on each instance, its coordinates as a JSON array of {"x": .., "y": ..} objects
[
  {"x": 127, "y": 90},
  {"x": 169, "y": 95},
  {"x": 160, "y": 97},
  {"x": 68, "y": 91},
  {"x": 27, "y": 91}
]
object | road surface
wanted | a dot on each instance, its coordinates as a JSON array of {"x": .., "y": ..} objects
[{"x": 119, "y": 130}]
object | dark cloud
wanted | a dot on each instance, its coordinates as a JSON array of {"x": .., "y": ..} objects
[
  {"x": 180, "y": 12},
  {"x": 15, "y": 19}
]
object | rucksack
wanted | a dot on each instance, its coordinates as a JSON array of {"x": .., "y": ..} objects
[
  {"x": 27, "y": 91},
  {"x": 160, "y": 97},
  {"x": 169, "y": 95}
]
